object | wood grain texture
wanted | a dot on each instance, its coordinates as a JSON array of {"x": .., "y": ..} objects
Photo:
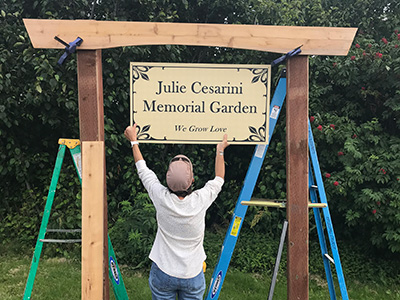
[
  {"x": 90, "y": 95},
  {"x": 92, "y": 220},
  {"x": 111, "y": 34},
  {"x": 297, "y": 177},
  {"x": 91, "y": 125}
]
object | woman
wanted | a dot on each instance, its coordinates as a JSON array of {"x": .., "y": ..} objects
[{"x": 177, "y": 253}]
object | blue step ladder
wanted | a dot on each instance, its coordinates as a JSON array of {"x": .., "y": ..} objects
[{"x": 250, "y": 180}]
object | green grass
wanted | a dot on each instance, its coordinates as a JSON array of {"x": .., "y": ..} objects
[{"x": 59, "y": 278}]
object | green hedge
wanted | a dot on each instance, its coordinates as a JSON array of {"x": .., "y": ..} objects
[{"x": 354, "y": 102}]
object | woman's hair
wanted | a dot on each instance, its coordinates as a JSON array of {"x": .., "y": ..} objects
[{"x": 182, "y": 193}]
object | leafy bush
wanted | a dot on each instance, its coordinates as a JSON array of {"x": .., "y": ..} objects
[
  {"x": 356, "y": 121},
  {"x": 358, "y": 94},
  {"x": 134, "y": 231}
]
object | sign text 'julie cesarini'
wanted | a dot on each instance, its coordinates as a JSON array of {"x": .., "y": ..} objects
[{"x": 199, "y": 103}]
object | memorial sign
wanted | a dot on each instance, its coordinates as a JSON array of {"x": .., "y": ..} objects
[{"x": 199, "y": 103}]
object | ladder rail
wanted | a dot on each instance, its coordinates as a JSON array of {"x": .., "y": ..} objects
[
  {"x": 327, "y": 215},
  {"x": 250, "y": 180},
  {"x": 77, "y": 159},
  {"x": 321, "y": 237},
  {"x": 278, "y": 260},
  {"x": 45, "y": 220},
  {"x": 114, "y": 272}
]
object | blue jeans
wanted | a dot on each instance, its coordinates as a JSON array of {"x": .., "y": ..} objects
[{"x": 165, "y": 287}]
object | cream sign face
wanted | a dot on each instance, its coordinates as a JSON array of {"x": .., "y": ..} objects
[{"x": 199, "y": 103}]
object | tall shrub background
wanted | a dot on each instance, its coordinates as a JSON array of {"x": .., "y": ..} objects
[{"x": 354, "y": 109}]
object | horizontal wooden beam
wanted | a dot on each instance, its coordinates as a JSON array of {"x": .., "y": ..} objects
[{"x": 111, "y": 34}]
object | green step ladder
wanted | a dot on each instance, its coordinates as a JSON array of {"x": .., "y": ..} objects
[{"x": 114, "y": 273}]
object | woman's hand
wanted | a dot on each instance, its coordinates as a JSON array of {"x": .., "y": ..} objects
[
  {"x": 219, "y": 157},
  {"x": 130, "y": 133},
  {"x": 222, "y": 145}
]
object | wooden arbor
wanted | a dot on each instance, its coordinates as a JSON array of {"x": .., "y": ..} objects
[{"x": 99, "y": 35}]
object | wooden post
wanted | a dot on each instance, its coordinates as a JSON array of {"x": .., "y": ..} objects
[
  {"x": 91, "y": 126},
  {"x": 92, "y": 220},
  {"x": 90, "y": 92},
  {"x": 297, "y": 177}
]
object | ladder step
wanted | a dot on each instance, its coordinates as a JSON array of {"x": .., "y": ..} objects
[
  {"x": 60, "y": 241},
  {"x": 329, "y": 258},
  {"x": 261, "y": 202},
  {"x": 64, "y": 230},
  {"x": 314, "y": 186}
]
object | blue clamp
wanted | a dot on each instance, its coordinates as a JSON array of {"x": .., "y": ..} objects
[
  {"x": 292, "y": 53},
  {"x": 69, "y": 48}
]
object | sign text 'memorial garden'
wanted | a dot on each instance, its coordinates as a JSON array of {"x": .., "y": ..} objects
[{"x": 198, "y": 103}]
